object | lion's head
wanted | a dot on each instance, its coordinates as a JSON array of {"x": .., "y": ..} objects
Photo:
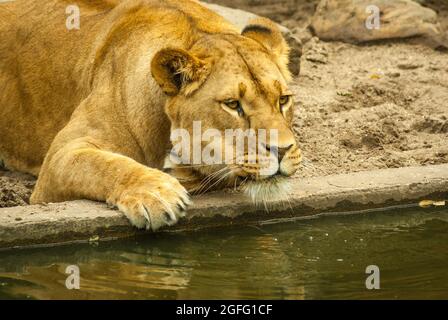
[{"x": 233, "y": 81}]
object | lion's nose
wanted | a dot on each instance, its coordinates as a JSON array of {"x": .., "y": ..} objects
[{"x": 280, "y": 151}]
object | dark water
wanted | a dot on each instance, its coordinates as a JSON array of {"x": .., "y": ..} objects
[{"x": 320, "y": 258}]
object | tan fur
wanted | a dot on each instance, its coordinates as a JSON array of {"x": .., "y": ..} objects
[{"x": 89, "y": 111}]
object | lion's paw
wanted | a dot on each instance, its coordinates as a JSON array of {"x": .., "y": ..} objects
[{"x": 155, "y": 203}]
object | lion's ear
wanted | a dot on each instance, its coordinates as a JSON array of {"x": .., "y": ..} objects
[
  {"x": 266, "y": 32},
  {"x": 176, "y": 70}
]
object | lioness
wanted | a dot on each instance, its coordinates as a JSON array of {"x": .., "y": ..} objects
[{"x": 89, "y": 110}]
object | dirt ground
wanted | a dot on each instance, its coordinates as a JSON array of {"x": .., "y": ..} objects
[
  {"x": 359, "y": 107},
  {"x": 369, "y": 107},
  {"x": 15, "y": 188}
]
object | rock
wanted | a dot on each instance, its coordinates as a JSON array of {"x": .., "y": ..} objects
[
  {"x": 409, "y": 66},
  {"x": 278, "y": 10},
  {"x": 345, "y": 20},
  {"x": 304, "y": 34},
  {"x": 86, "y": 221},
  {"x": 431, "y": 124},
  {"x": 393, "y": 74},
  {"x": 316, "y": 52},
  {"x": 241, "y": 19}
]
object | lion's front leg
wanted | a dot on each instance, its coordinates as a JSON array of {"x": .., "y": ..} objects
[{"x": 148, "y": 197}]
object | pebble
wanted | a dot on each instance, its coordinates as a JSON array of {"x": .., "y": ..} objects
[{"x": 409, "y": 66}]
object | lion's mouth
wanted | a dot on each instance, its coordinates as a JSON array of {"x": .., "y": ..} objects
[{"x": 263, "y": 190}]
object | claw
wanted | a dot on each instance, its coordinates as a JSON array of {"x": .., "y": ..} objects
[
  {"x": 182, "y": 208},
  {"x": 167, "y": 216},
  {"x": 186, "y": 201},
  {"x": 147, "y": 216}
]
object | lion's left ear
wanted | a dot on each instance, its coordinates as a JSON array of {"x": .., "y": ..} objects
[{"x": 266, "y": 32}]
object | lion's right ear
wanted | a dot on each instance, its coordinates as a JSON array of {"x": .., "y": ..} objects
[
  {"x": 268, "y": 34},
  {"x": 176, "y": 71}
]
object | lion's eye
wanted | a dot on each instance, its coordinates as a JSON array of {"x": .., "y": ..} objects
[
  {"x": 284, "y": 100},
  {"x": 235, "y": 105}
]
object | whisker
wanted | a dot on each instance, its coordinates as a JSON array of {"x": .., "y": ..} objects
[
  {"x": 225, "y": 175},
  {"x": 209, "y": 179},
  {"x": 181, "y": 166}
]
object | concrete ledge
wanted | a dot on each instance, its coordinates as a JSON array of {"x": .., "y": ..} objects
[{"x": 81, "y": 221}]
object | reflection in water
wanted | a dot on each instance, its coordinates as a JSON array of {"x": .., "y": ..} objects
[{"x": 307, "y": 259}]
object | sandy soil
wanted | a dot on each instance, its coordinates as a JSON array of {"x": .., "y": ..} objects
[
  {"x": 368, "y": 107},
  {"x": 358, "y": 107}
]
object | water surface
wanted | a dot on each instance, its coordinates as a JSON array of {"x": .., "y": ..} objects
[{"x": 322, "y": 258}]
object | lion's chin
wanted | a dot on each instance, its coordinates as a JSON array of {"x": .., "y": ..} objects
[{"x": 267, "y": 191}]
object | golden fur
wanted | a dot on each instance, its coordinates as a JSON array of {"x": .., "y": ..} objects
[{"x": 89, "y": 111}]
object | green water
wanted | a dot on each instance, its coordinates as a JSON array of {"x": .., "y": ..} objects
[{"x": 322, "y": 258}]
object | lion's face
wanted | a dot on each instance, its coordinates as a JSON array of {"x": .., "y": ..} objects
[{"x": 232, "y": 90}]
